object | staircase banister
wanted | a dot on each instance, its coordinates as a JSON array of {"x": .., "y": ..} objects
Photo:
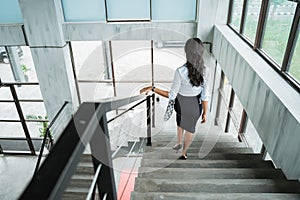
[{"x": 56, "y": 171}]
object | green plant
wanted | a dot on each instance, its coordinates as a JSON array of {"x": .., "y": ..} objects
[
  {"x": 44, "y": 124},
  {"x": 24, "y": 68}
]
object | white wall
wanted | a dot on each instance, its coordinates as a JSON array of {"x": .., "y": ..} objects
[{"x": 270, "y": 102}]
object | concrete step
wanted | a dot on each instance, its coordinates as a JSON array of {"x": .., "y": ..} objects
[
  {"x": 204, "y": 156},
  {"x": 217, "y": 185},
  {"x": 84, "y": 181},
  {"x": 198, "y": 144},
  {"x": 220, "y": 138},
  {"x": 166, "y": 163},
  {"x": 197, "y": 150},
  {"x": 209, "y": 173},
  {"x": 85, "y": 168},
  {"x": 86, "y": 158},
  {"x": 75, "y": 193},
  {"x": 212, "y": 196}
]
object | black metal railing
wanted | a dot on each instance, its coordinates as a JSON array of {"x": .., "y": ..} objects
[
  {"x": 22, "y": 118},
  {"x": 48, "y": 136},
  {"x": 87, "y": 126}
]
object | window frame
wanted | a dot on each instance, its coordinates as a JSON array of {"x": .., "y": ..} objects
[{"x": 261, "y": 27}]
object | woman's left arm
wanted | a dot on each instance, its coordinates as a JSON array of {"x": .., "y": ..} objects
[
  {"x": 161, "y": 92},
  {"x": 205, "y": 96},
  {"x": 205, "y": 110}
]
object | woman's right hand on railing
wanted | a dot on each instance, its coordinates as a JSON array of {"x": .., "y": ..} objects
[{"x": 146, "y": 90}]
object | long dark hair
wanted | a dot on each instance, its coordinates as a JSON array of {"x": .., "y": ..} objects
[{"x": 194, "y": 60}]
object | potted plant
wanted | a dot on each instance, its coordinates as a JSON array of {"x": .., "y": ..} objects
[
  {"x": 43, "y": 127},
  {"x": 25, "y": 69}
]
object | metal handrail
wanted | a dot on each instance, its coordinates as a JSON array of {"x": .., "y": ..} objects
[
  {"x": 114, "y": 118},
  {"x": 48, "y": 135},
  {"x": 93, "y": 185},
  {"x": 87, "y": 126},
  {"x": 17, "y": 101}
]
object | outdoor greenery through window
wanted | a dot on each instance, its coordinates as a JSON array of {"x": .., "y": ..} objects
[
  {"x": 236, "y": 16},
  {"x": 279, "y": 21},
  {"x": 295, "y": 63},
  {"x": 252, "y": 16},
  {"x": 268, "y": 27}
]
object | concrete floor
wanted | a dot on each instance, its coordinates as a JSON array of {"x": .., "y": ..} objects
[{"x": 16, "y": 172}]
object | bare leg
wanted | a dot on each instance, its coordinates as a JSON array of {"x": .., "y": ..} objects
[
  {"x": 179, "y": 134},
  {"x": 188, "y": 137},
  {"x": 178, "y": 145}
]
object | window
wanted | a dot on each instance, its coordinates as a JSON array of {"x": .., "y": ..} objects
[
  {"x": 166, "y": 61},
  {"x": 88, "y": 10},
  {"x": 252, "y": 137},
  {"x": 118, "y": 10},
  {"x": 252, "y": 15},
  {"x": 279, "y": 21},
  {"x": 267, "y": 26},
  {"x": 10, "y": 12},
  {"x": 295, "y": 63},
  {"x": 183, "y": 10},
  {"x": 127, "y": 66},
  {"x": 16, "y": 65},
  {"x": 236, "y": 14},
  {"x": 89, "y": 61}
]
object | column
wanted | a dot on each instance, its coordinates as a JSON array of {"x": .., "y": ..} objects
[{"x": 43, "y": 29}]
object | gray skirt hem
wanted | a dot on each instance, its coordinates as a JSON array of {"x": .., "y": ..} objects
[{"x": 188, "y": 111}]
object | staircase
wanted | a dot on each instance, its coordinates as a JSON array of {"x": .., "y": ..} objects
[
  {"x": 81, "y": 181},
  {"x": 229, "y": 171}
]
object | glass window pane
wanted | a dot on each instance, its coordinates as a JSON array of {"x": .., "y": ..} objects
[
  {"x": 295, "y": 64},
  {"x": 31, "y": 110},
  {"x": 252, "y": 137},
  {"x": 279, "y": 22},
  {"x": 233, "y": 130},
  {"x": 252, "y": 15},
  {"x": 35, "y": 129},
  {"x": 236, "y": 14},
  {"x": 223, "y": 114},
  {"x": 27, "y": 65},
  {"x": 11, "y": 129},
  {"x": 95, "y": 91},
  {"x": 10, "y": 12},
  {"x": 88, "y": 10},
  {"x": 237, "y": 110},
  {"x": 28, "y": 92},
  {"x": 132, "y": 60},
  {"x": 226, "y": 91},
  {"x": 20, "y": 68},
  {"x": 128, "y": 9},
  {"x": 5, "y": 94},
  {"x": 129, "y": 89},
  {"x": 174, "y": 9},
  {"x": 8, "y": 111},
  {"x": 166, "y": 61},
  {"x": 89, "y": 62}
]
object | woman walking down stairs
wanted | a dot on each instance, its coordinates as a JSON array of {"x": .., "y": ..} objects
[{"x": 223, "y": 169}]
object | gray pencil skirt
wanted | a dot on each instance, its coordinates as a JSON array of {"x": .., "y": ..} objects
[{"x": 188, "y": 111}]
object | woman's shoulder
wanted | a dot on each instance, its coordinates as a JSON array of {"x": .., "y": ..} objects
[{"x": 182, "y": 69}]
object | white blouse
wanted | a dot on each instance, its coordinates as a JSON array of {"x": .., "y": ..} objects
[{"x": 181, "y": 84}]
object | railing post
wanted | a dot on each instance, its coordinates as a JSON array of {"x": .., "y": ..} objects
[
  {"x": 149, "y": 121},
  {"x": 231, "y": 103},
  {"x": 48, "y": 135},
  {"x": 101, "y": 152},
  {"x": 22, "y": 118},
  {"x": 153, "y": 110}
]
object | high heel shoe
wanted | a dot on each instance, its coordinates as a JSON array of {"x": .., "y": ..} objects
[
  {"x": 183, "y": 157},
  {"x": 176, "y": 147}
]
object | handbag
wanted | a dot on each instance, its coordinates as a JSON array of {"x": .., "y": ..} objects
[{"x": 169, "y": 110}]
